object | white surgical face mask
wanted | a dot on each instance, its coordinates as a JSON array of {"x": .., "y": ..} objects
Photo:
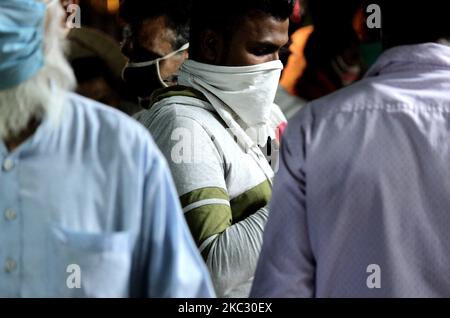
[
  {"x": 249, "y": 91},
  {"x": 156, "y": 62}
]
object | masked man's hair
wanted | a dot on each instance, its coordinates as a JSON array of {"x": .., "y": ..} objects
[{"x": 225, "y": 16}]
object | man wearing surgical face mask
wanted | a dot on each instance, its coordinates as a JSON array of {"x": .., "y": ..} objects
[
  {"x": 213, "y": 126},
  {"x": 155, "y": 41}
]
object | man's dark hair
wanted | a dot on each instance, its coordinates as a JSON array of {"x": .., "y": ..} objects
[
  {"x": 177, "y": 13},
  {"x": 406, "y": 22},
  {"x": 225, "y": 16}
]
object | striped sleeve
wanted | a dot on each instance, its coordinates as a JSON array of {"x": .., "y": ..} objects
[
  {"x": 208, "y": 214},
  {"x": 199, "y": 174}
]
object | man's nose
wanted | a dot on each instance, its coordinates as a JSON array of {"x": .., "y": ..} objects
[{"x": 275, "y": 56}]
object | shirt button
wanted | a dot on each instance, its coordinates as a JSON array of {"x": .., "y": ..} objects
[
  {"x": 10, "y": 265},
  {"x": 8, "y": 165},
  {"x": 10, "y": 215}
]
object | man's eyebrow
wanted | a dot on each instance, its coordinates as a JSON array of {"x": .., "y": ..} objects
[{"x": 267, "y": 44}]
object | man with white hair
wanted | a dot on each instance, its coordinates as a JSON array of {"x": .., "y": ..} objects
[{"x": 88, "y": 205}]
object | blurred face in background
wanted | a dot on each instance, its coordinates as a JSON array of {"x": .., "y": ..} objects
[
  {"x": 149, "y": 41},
  {"x": 96, "y": 81},
  {"x": 99, "y": 89}
]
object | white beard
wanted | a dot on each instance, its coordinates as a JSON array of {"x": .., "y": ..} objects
[{"x": 43, "y": 94}]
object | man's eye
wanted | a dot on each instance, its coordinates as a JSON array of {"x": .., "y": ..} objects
[
  {"x": 264, "y": 50},
  {"x": 260, "y": 51}
]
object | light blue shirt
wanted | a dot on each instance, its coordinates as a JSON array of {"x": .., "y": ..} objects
[
  {"x": 361, "y": 205},
  {"x": 91, "y": 204}
]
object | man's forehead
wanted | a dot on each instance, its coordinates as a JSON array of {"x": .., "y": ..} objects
[{"x": 261, "y": 27}]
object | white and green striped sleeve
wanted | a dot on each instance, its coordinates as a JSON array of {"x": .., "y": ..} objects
[{"x": 198, "y": 170}]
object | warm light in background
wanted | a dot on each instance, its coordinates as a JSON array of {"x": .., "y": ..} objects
[
  {"x": 105, "y": 6},
  {"x": 113, "y": 6}
]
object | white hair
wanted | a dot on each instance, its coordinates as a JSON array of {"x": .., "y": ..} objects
[{"x": 43, "y": 94}]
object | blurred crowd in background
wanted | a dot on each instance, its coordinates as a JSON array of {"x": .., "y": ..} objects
[{"x": 330, "y": 48}]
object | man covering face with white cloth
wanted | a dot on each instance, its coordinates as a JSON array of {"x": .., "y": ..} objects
[
  {"x": 87, "y": 202},
  {"x": 213, "y": 127}
]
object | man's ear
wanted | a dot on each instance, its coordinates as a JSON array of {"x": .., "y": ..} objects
[{"x": 211, "y": 47}]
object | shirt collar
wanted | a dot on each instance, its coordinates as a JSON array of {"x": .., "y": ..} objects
[
  {"x": 409, "y": 57},
  {"x": 43, "y": 128}
]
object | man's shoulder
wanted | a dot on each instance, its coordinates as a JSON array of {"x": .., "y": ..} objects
[
  {"x": 361, "y": 96},
  {"x": 95, "y": 112},
  {"x": 106, "y": 125},
  {"x": 178, "y": 111}
]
